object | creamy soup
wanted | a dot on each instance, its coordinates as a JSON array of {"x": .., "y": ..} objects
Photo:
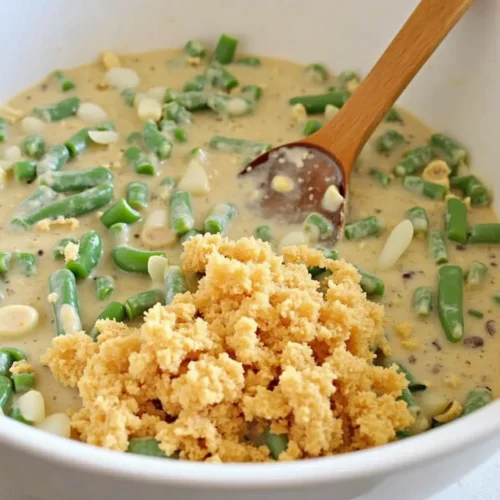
[{"x": 448, "y": 370}]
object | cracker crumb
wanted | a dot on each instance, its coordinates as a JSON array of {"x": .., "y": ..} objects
[
  {"x": 71, "y": 251},
  {"x": 110, "y": 60},
  {"x": 52, "y": 297},
  {"x": 410, "y": 343},
  {"x": 404, "y": 330},
  {"x": 453, "y": 411},
  {"x": 257, "y": 345},
  {"x": 21, "y": 366},
  {"x": 452, "y": 381},
  {"x": 45, "y": 225},
  {"x": 298, "y": 113},
  {"x": 12, "y": 115},
  {"x": 193, "y": 61}
]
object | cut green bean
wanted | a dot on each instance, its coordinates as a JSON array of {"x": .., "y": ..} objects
[
  {"x": 129, "y": 96},
  {"x": 277, "y": 443},
  {"x": 181, "y": 212},
  {"x": 72, "y": 206},
  {"x": 65, "y": 306},
  {"x": 58, "y": 252},
  {"x": 437, "y": 247},
  {"x": 79, "y": 142},
  {"x": 26, "y": 261},
  {"x": 383, "y": 178},
  {"x": 132, "y": 259},
  {"x": 413, "y": 384},
  {"x": 220, "y": 217},
  {"x": 120, "y": 232},
  {"x": 137, "y": 195},
  {"x": 192, "y": 100},
  {"x": 393, "y": 116},
  {"x": 15, "y": 353},
  {"x": 450, "y": 302},
  {"x": 315, "y": 104},
  {"x": 23, "y": 382},
  {"x": 196, "y": 84},
  {"x": 476, "y": 399},
  {"x": 63, "y": 81},
  {"x": 114, "y": 310},
  {"x": 147, "y": 446},
  {"x": 55, "y": 159},
  {"x": 389, "y": 141},
  {"x": 134, "y": 138},
  {"x": 41, "y": 197},
  {"x": 177, "y": 113},
  {"x": 225, "y": 50},
  {"x": 253, "y": 92},
  {"x": 473, "y": 188},
  {"x": 371, "y": 285},
  {"x": 348, "y": 81},
  {"x": 238, "y": 146},
  {"x": 89, "y": 255},
  {"x": 193, "y": 48},
  {"x": 413, "y": 161},
  {"x": 77, "y": 180},
  {"x": 476, "y": 274},
  {"x": 456, "y": 220},
  {"x": 420, "y": 222},
  {"x": 411, "y": 402},
  {"x": 329, "y": 253},
  {"x": 57, "y": 111},
  {"x": 33, "y": 146},
  {"x": 316, "y": 73},
  {"x": 5, "y": 394},
  {"x": 318, "y": 226},
  {"x": 15, "y": 414},
  {"x": 264, "y": 233},
  {"x": 220, "y": 78},
  {"x": 6, "y": 361},
  {"x": 475, "y": 313},
  {"x": 104, "y": 286},
  {"x": 3, "y": 130},
  {"x": 484, "y": 233},
  {"x": 311, "y": 127},
  {"x": 449, "y": 150},
  {"x": 227, "y": 105},
  {"x": 24, "y": 171},
  {"x": 4, "y": 262},
  {"x": 431, "y": 190},
  {"x": 120, "y": 211},
  {"x": 175, "y": 283},
  {"x": 139, "y": 161},
  {"x": 155, "y": 141},
  {"x": 139, "y": 303},
  {"x": 249, "y": 61},
  {"x": 369, "y": 226},
  {"x": 422, "y": 301}
]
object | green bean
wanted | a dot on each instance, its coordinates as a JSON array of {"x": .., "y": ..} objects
[
  {"x": 155, "y": 141},
  {"x": 225, "y": 49},
  {"x": 253, "y": 92},
  {"x": 139, "y": 303},
  {"x": 346, "y": 79},
  {"x": 371, "y": 285},
  {"x": 475, "y": 313},
  {"x": 105, "y": 286},
  {"x": 129, "y": 96},
  {"x": 23, "y": 382},
  {"x": 411, "y": 403},
  {"x": 238, "y": 146},
  {"x": 177, "y": 113},
  {"x": 132, "y": 259},
  {"x": 369, "y": 226},
  {"x": 450, "y": 302},
  {"x": 393, "y": 116},
  {"x": 190, "y": 234},
  {"x": 473, "y": 188},
  {"x": 63, "y": 81},
  {"x": 15, "y": 353},
  {"x": 196, "y": 84},
  {"x": 383, "y": 178},
  {"x": 58, "y": 252},
  {"x": 437, "y": 247},
  {"x": 175, "y": 283},
  {"x": 137, "y": 195},
  {"x": 4, "y": 262},
  {"x": 72, "y": 206},
  {"x": 89, "y": 255},
  {"x": 58, "y": 110},
  {"x": 476, "y": 399},
  {"x": 181, "y": 212},
  {"x": 3, "y": 130},
  {"x": 192, "y": 100},
  {"x": 55, "y": 159},
  {"x": 329, "y": 253},
  {"x": 33, "y": 146},
  {"x": 316, "y": 72},
  {"x": 228, "y": 105},
  {"x": 220, "y": 217},
  {"x": 5, "y": 394},
  {"x": 277, "y": 443},
  {"x": 147, "y": 446},
  {"x": 496, "y": 297},
  {"x": 168, "y": 185},
  {"x": 484, "y": 233},
  {"x": 179, "y": 134},
  {"x": 413, "y": 384},
  {"x": 24, "y": 171},
  {"x": 451, "y": 151},
  {"x": 249, "y": 61},
  {"x": 120, "y": 211},
  {"x": 77, "y": 180},
  {"x": 389, "y": 141},
  {"x": 6, "y": 361},
  {"x": 413, "y": 161},
  {"x": 264, "y": 233},
  {"x": 193, "y": 48},
  {"x": 422, "y": 301},
  {"x": 66, "y": 307},
  {"x": 315, "y": 104},
  {"x": 476, "y": 274},
  {"x": 15, "y": 414},
  {"x": 311, "y": 127},
  {"x": 220, "y": 78},
  {"x": 26, "y": 262},
  {"x": 139, "y": 161},
  {"x": 418, "y": 217},
  {"x": 431, "y": 190},
  {"x": 456, "y": 220},
  {"x": 318, "y": 226},
  {"x": 120, "y": 232},
  {"x": 405, "y": 433},
  {"x": 79, "y": 142},
  {"x": 114, "y": 310}
]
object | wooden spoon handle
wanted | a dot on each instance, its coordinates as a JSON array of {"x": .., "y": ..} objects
[{"x": 348, "y": 131}]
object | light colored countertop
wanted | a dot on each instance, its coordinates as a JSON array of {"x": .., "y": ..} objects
[{"x": 481, "y": 484}]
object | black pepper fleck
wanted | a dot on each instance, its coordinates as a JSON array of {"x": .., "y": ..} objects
[
  {"x": 40, "y": 252},
  {"x": 412, "y": 359},
  {"x": 493, "y": 264},
  {"x": 437, "y": 345},
  {"x": 408, "y": 275},
  {"x": 461, "y": 248},
  {"x": 44, "y": 87},
  {"x": 491, "y": 327},
  {"x": 473, "y": 342},
  {"x": 136, "y": 235}
]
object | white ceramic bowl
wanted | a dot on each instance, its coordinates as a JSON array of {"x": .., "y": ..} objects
[{"x": 457, "y": 92}]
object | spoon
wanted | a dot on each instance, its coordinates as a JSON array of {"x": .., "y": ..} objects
[{"x": 326, "y": 158}]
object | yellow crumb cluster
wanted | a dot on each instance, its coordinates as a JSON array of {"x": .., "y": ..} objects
[{"x": 256, "y": 345}]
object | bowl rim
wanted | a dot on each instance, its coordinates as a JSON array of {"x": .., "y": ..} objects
[{"x": 432, "y": 444}]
